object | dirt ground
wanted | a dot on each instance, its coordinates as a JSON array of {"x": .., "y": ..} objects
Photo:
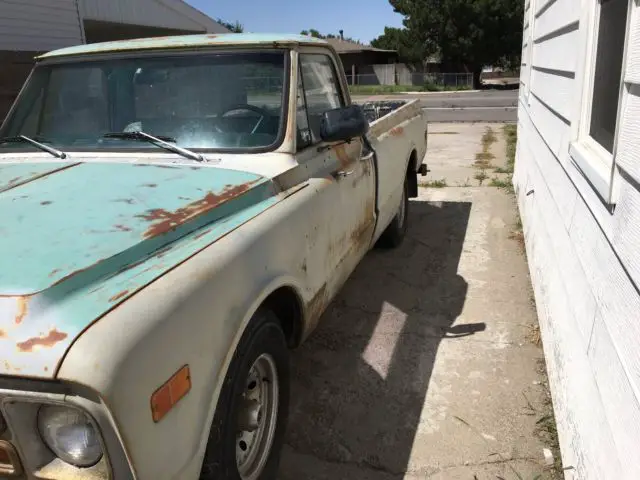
[{"x": 427, "y": 365}]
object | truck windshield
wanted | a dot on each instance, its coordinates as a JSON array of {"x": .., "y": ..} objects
[{"x": 222, "y": 101}]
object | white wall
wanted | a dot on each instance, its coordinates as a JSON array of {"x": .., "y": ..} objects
[
  {"x": 584, "y": 260},
  {"x": 38, "y": 25}
]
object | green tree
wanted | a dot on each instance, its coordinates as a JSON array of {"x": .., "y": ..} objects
[
  {"x": 399, "y": 39},
  {"x": 312, "y": 32},
  {"x": 232, "y": 27},
  {"x": 466, "y": 33}
]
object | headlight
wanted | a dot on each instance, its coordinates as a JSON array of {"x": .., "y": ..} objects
[{"x": 70, "y": 435}]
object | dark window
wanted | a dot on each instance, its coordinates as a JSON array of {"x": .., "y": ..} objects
[{"x": 608, "y": 71}]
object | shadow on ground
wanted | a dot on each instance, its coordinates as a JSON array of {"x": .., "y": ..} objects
[
  {"x": 500, "y": 86},
  {"x": 360, "y": 381}
]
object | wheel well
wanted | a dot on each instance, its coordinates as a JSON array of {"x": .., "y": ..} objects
[
  {"x": 286, "y": 305},
  {"x": 412, "y": 176}
]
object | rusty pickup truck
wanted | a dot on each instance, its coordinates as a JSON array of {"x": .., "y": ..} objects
[{"x": 177, "y": 213}]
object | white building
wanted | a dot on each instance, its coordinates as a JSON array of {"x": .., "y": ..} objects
[
  {"x": 30, "y": 27},
  {"x": 577, "y": 179}
]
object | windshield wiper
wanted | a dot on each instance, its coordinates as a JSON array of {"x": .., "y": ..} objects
[
  {"x": 161, "y": 141},
  {"x": 24, "y": 139}
]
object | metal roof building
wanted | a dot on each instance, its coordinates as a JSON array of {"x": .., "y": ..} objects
[{"x": 30, "y": 27}]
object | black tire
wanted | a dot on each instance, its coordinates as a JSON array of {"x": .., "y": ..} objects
[
  {"x": 263, "y": 336},
  {"x": 394, "y": 234}
]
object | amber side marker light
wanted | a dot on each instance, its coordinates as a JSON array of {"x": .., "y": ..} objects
[
  {"x": 165, "y": 397},
  {"x": 9, "y": 461}
]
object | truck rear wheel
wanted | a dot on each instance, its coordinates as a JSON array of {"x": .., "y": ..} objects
[
  {"x": 248, "y": 427},
  {"x": 394, "y": 234}
]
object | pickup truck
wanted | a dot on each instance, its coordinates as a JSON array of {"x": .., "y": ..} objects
[{"x": 177, "y": 213}]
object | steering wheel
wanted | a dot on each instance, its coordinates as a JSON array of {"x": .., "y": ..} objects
[{"x": 252, "y": 108}]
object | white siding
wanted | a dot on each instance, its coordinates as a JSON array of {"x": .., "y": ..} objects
[
  {"x": 38, "y": 25},
  {"x": 585, "y": 273},
  {"x": 174, "y": 14}
]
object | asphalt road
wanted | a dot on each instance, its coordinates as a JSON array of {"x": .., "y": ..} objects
[{"x": 482, "y": 106}]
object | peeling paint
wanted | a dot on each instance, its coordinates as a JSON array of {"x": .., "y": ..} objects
[
  {"x": 22, "y": 309},
  {"x": 342, "y": 155},
  {"x": 188, "y": 41},
  {"x": 164, "y": 221},
  {"x": 317, "y": 305},
  {"x": 397, "y": 131},
  {"x": 53, "y": 337},
  {"x": 118, "y": 296},
  {"x": 201, "y": 234}
]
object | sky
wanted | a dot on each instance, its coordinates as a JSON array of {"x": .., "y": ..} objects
[{"x": 363, "y": 20}]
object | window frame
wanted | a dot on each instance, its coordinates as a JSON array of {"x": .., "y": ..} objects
[
  {"x": 343, "y": 99},
  {"x": 593, "y": 161},
  {"x": 530, "y": 22},
  {"x": 162, "y": 54}
]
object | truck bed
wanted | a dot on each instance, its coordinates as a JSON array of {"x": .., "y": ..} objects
[{"x": 385, "y": 115}]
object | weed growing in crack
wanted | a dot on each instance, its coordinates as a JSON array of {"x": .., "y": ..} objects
[
  {"x": 481, "y": 176},
  {"x": 435, "y": 183}
]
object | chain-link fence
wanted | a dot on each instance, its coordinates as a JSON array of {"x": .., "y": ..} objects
[
  {"x": 454, "y": 80},
  {"x": 401, "y": 74}
]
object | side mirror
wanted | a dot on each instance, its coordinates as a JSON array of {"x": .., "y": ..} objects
[{"x": 343, "y": 124}]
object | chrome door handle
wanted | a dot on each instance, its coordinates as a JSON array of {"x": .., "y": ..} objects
[
  {"x": 344, "y": 173},
  {"x": 367, "y": 157}
]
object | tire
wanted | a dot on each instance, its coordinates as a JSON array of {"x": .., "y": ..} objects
[
  {"x": 262, "y": 347},
  {"x": 394, "y": 234}
]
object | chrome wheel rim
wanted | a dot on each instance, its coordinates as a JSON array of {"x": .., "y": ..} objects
[{"x": 257, "y": 417}]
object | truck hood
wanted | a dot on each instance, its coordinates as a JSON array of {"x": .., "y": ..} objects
[{"x": 76, "y": 239}]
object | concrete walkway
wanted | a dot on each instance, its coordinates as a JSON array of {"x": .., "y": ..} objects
[{"x": 426, "y": 365}]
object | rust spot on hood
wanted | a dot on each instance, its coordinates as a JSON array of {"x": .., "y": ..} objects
[
  {"x": 201, "y": 234},
  {"x": 22, "y": 309},
  {"x": 164, "y": 221},
  {"x": 53, "y": 337},
  {"x": 118, "y": 296}
]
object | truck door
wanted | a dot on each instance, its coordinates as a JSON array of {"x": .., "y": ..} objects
[{"x": 350, "y": 172}]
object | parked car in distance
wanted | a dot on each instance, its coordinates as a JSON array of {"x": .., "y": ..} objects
[{"x": 177, "y": 214}]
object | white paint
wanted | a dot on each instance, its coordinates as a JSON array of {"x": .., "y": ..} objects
[{"x": 584, "y": 260}]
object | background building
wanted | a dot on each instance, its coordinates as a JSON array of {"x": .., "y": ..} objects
[
  {"x": 30, "y": 27},
  {"x": 577, "y": 178}
]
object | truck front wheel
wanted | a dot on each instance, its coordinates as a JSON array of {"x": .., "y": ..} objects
[
  {"x": 248, "y": 427},
  {"x": 393, "y": 236}
]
